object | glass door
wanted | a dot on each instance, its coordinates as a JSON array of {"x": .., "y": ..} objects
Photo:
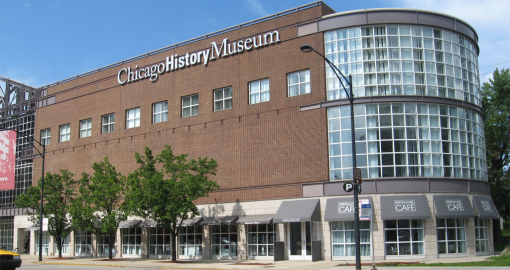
[{"x": 300, "y": 242}]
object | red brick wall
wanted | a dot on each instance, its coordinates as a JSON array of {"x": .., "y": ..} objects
[{"x": 264, "y": 151}]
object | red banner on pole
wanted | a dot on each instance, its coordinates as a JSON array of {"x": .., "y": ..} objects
[{"x": 7, "y": 159}]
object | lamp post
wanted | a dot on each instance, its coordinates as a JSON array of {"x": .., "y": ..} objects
[
  {"x": 42, "y": 184},
  {"x": 307, "y": 48}
]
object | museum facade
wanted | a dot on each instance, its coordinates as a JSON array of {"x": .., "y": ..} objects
[{"x": 278, "y": 122}]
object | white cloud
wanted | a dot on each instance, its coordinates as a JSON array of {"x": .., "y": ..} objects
[
  {"x": 489, "y": 18},
  {"x": 257, "y": 7}
]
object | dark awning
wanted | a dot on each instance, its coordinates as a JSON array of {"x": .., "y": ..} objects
[
  {"x": 342, "y": 209},
  {"x": 256, "y": 219},
  {"x": 227, "y": 220},
  {"x": 148, "y": 223},
  {"x": 298, "y": 211},
  {"x": 485, "y": 207},
  {"x": 192, "y": 222},
  {"x": 404, "y": 207},
  {"x": 130, "y": 223},
  {"x": 453, "y": 206},
  {"x": 32, "y": 228}
]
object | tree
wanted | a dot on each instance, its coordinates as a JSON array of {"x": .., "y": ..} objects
[
  {"x": 58, "y": 197},
  {"x": 97, "y": 207},
  {"x": 167, "y": 195},
  {"x": 496, "y": 107}
]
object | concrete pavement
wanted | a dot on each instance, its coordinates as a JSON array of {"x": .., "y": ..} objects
[{"x": 251, "y": 264}]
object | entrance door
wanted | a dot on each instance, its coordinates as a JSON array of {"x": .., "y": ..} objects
[{"x": 300, "y": 242}]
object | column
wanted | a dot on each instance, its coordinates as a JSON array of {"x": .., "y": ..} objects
[
  {"x": 470, "y": 237},
  {"x": 118, "y": 244},
  {"x": 206, "y": 242},
  {"x": 72, "y": 242},
  {"x": 145, "y": 243},
  {"x": 430, "y": 238},
  {"x": 242, "y": 243}
]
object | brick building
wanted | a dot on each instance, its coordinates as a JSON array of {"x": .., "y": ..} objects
[{"x": 277, "y": 122}]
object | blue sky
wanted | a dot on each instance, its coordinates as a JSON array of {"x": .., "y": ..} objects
[{"x": 44, "y": 41}]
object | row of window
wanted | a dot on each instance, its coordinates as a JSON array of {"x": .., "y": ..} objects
[
  {"x": 298, "y": 84},
  {"x": 402, "y": 237},
  {"x": 406, "y": 237}
]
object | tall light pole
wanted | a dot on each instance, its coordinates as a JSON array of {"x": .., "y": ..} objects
[
  {"x": 32, "y": 140},
  {"x": 307, "y": 48}
]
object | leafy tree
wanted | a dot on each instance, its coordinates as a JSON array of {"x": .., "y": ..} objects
[
  {"x": 97, "y": 207},
  {"x": 496, "y": 106},
  {"x": 58, "y": 197},
  {"x": 166, "y": 195}
]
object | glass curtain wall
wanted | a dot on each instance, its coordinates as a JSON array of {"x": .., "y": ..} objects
[
  {"x": 7, "y": 233},
  {"x": 407, "y": 140},
  {"x": 403, "y": 60}
]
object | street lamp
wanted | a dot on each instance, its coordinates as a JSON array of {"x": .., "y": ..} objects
[
  {"x": 42, "y": 183},
  {"x": 307, "y": 48}
]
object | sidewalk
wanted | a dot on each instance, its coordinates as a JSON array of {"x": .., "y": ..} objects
[{"x": 218, "y": 264}]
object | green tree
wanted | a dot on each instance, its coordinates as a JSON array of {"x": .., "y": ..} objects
[
  {"x": 58, "y": 197},
  {"x": 97, "y": 207},
  {"x": 496, "y": 107},
  {"x": 166, "y": 195}
]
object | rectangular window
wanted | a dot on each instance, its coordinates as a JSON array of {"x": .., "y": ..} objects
[
  {"x": 260, "y": 240},
  {"x": 404, "y": 237},
  {"x": 133, "y": 118},
  {"x": 299, "y": 83},
  {"x": 160, "y": 112},
  {"x": 259, "y": 91},
  {"x": 65, "y": 132},
  {"x": 85, "y": 128},
  {"x": 108, "y": 123},
  {"x": 451, "y": 236},
  {"x": 190, "y": 105},
  {"x": 343, "y": 240},
  {"x": 190, "y": 241},
  {"x": 46, "y": 136},
  {"x": 482, "y": 234},
  {"x": 223, "y": 99},
  {"x": 224, "y": 241},
  {"x": 131, "y": 241}
]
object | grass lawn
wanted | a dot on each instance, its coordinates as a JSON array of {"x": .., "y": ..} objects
[{"x": 503, "y": 260}]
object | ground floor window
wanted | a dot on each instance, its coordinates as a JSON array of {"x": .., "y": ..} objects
[
  {"x": 190, "y": 241},
  {"x": 132, "y": 241},
  {"x": 82, "y": 243},
  {"x": 344, "y": 239},
  {"x": 261, "y": 239},
  {"x": 6, "y": 233},
  {"x": 451, "y": 236},
  {"x": 45, "y": 242},
  {"x": 102, "y": 245},
  {"x": 160, "y": 241},
  {"x": 65, "y": 245},
  {"x": 482, "y": 234},
  {"x": 403, "y": 237},
  {"x": 224, "y": 240}
]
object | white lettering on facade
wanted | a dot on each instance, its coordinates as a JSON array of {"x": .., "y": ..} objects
[
  {"x": 175, "y": 62},
  {"x": 454, "y": 205},
  {"x": 404, "y": 205}
]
